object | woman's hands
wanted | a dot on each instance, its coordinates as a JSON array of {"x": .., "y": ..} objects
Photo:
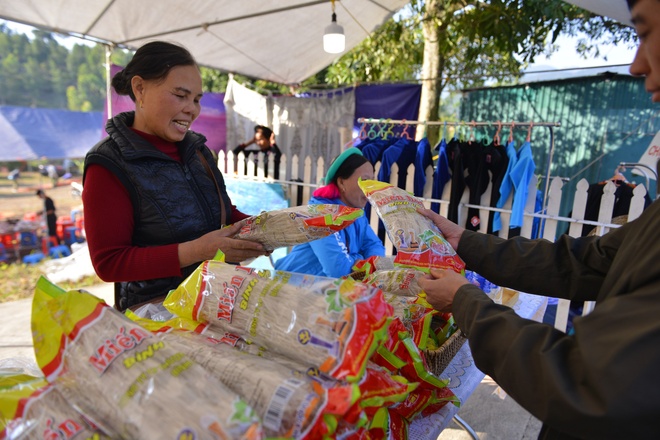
[
  {"x": 441, "y": 286},
  {"x": 450, "y": 230},
  {"x": 206, "y": 246}
]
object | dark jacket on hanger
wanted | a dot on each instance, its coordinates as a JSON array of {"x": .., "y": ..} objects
[
  {"x": 622, "y": 198},
  {"x": 455, "y": 158}
]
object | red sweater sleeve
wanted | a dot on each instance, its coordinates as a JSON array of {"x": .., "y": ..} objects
[
  {"x": 237, "y": 215},
  {"x": 109, "y": 229}
]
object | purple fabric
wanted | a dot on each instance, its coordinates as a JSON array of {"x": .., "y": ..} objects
[{"x": 393, "y": 101}]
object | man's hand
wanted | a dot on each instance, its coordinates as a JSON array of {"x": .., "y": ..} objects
[
  {"x": 440, "y": 286},
  {"x": 450, "y": 230}
]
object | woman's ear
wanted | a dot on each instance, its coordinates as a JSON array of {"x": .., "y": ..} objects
[{"x": 137, "y": 84}]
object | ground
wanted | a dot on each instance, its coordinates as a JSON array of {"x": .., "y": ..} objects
[{"x": 17, "y": 280}]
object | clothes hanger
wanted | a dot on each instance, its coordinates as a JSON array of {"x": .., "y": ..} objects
[
  {"x": 511, "y": 132},
  {"x": 618, "y": 178},
  {"x": 386, "y": 131},
  {"x": 363, "y": 131},
  {"x": 496, "y": 138},
  {"x": 404, "y": 132},
  {"x": 529, "y": 132}
]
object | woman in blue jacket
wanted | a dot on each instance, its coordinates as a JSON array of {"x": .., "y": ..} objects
[{"x": 335, "y": 255}]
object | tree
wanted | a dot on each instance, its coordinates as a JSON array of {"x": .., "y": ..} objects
[{"x": 455, "y": 44}]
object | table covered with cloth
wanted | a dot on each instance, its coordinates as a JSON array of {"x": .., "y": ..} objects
[{"x": 464, "y": 376}]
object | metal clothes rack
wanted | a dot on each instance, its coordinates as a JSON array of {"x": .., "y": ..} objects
[{"x": 529, "y": 124}]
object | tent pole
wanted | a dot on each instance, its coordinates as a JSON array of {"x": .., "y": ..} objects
[{"x": 108, "y": 80}]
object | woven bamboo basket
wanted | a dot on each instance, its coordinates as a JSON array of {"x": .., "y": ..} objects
[{"x": 437, "y": 360}]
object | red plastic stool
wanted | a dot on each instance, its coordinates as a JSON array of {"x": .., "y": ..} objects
[{"x": 47, "y": 242}]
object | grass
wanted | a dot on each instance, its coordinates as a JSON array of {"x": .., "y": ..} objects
[{"x": 18, "y": 280}]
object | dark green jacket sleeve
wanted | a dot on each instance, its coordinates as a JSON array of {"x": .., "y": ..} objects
[
  {"x": 602, "y": 382},
  {"x": 568, "y": 268}
]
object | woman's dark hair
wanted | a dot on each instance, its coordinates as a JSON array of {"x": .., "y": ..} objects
[
  {"x": 346, "y": 169},
  {"x": 153, "y": 61}
]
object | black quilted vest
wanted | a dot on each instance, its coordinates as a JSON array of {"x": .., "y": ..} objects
[{"x": 173, "y": 202}]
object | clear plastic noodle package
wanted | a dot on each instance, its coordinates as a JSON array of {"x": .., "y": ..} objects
[
  {"x": 31, "y": 408},
  {"x": 290, "y": 403},
  {"x": 129, "y": 381},
  {"x": 419, "y": 243},
  {"x": 331, "y": 324},
  {"x": 297, "y": 225}
]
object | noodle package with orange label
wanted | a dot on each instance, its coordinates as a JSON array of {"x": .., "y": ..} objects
[
  {"x": 129, "y": 381},
  {"x": 419, "y": 243},
  {"x": 291, "y": 404},
  {"x": 332, "y": 324},
  {"x": 296, "y": 225}
]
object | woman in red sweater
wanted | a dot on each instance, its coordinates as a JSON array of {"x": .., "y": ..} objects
[{"x": 153, "y": 199}]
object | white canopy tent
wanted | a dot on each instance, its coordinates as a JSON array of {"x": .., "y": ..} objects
[
  {"x": 276, "y": 40},
  {"x": 614, "y": 9}
]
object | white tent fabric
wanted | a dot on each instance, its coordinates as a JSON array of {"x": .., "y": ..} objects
[
  {"x": 614, "y": 9},
  {"x": 276, "y": 40},
  {"x": 315, "y": 126}
]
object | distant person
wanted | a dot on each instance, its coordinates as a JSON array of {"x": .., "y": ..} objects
[
  {"x": 335, "y": 255},
  {"x": 264, "y": 138},
  {"x": 49, "y": 214},
  {"x": 52, "y": 174},
  {"x": 14, "y": 175},
  {"x": 154, "y": 201}
]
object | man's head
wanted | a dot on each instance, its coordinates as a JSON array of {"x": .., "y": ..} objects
[
  {"x": 40, "y": 194},
  {"x": 646, "y": 18},
  {"x": 262, "y": 136}
]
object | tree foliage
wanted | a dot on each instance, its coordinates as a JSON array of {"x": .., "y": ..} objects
[{"x": 41, "y": 72}]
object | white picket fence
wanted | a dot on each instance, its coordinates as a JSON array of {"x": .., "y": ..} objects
[{"x": 299, "y": 188}]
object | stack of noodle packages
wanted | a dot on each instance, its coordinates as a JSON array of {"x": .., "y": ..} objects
[
  {"x": 331, "y": 324},
  {"x": 31, "y": 408},
  {"x": 419, "y": 243},
  {"x": 130, "y": 382},
  {"x": 291, "y": 403},
  {"x": 296, "y": 225}
]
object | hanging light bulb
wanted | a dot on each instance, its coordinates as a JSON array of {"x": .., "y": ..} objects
[{"x": 334, "y": 40}]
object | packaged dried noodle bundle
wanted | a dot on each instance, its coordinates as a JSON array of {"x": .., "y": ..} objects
[
  {"x": 297, "y": 225},
  {"x": 332, "y": 324},
  {"x": 400, "y": 281},
  {"x": 419, "y": 243},
  {"x": 31, "y": 408},
  {"x": 129, "y": 381},
  {"x": 290, "y": 403}
]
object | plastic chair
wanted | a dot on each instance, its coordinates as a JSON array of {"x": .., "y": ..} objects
[
  {"x": 59, "y": 251},
  {"x": 3, "y": 253},
  {"x": 33, "y": 258}
]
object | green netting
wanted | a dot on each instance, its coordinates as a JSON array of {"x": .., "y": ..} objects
[{"x": 604, "y": 120}]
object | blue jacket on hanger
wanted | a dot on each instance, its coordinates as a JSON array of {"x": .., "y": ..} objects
[
  {"x": 423, "y": 160},
  {"x": 507, "y": 185},
  {"x": 441, "y": 174},
  {"x": 402, "y": 152}
]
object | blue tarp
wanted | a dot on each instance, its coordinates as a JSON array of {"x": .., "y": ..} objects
[{"x": 34, "y": 133}]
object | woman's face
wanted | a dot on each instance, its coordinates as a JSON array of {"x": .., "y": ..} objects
[
  {"x": 350, "y": 192},
  {"x": 167, "y": 109}
]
